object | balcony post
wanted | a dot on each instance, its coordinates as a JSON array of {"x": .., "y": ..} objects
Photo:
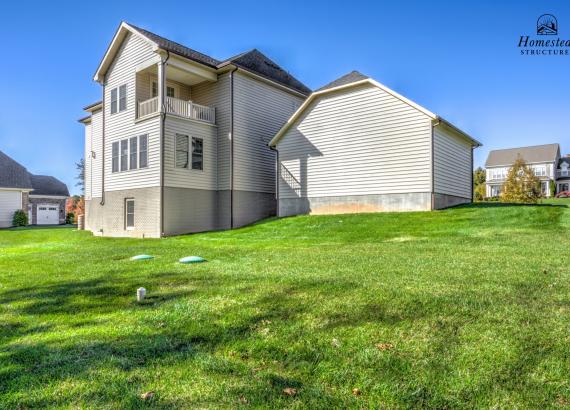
[{"x": 161, "y": 86}]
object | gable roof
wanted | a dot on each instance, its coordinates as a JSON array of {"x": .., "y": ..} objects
[
  {"x": 349, "y": 78},
  {"x": 533, "y": 154},
  {"x": 12, "y": 174},
  {"x": 177, "y": 48},
  {"x": 47, "y": 185},
  {"x": 253, "y": 61},
  {"x": 353, "y": 79},
  {"x": 258, "y": 63}
]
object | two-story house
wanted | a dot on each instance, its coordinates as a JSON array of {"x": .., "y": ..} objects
[
  {"x": 543, "y": 159},
  {"x": 178, "y": 142}
]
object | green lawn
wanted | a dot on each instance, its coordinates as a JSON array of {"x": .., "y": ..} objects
[{"x": 462, "y": 308}]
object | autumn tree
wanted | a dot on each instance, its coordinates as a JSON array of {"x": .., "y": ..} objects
[
  {"x": 521, "y": 185},
  {"x": 479, "y": 177}
]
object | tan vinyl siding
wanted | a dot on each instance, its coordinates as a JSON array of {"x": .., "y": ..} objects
[
  {"x": 260, "y": 110},
  {"x": 452, "y": 163},
  {"x": 217, "y": 94},
  {"x": 97, "y": 147},
  {"x": 132, "y": 53},
  {"x": 88, "y": 162},
  {"x": 191, "y": 178},
  {"x": 357, "y": 141}
]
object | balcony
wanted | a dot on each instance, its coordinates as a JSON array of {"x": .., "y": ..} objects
[{"x": 176, "y": 106}]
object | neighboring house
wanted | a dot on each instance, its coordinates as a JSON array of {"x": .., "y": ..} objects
[
  {"x": 563, "y": 175},
  {"x": 543, "y": 159},
  {"x": 179, "y": 142},
  {"x": 43, "y": 197},
  {"x": 357, "y": 146}
]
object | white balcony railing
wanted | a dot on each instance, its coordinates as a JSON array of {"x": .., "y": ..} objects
[{"x": 186, "y": 109}]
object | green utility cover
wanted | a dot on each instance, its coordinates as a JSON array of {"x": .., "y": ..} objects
[
  {"x": 141, "y": 257},
  {"x": 192, "y": 259}
]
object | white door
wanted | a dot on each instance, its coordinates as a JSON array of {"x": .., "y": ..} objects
[
  {"x": 48, "y": 214},
  {"x": 10, "y": 202}
]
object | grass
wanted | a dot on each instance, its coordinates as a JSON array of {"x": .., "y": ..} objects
[{"x": 470, "y": 308}]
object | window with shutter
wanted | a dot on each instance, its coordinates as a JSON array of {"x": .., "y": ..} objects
[
  {"x": 124, "y": 155},
  {"x": 133, "y": 153},
  {"x": 122, "y": 98},
  {"x": 115, "y": 157},
  {"x": 143, "y": 151}
]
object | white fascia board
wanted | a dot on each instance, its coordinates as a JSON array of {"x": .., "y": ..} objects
[{"x": 48, "y": 196}]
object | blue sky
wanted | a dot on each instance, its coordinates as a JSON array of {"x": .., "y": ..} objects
[{"x": 459, "y": 59}]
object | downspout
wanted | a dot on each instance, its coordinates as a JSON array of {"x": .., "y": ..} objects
[
  {"x": 162, "y": 127},
  {"x": 472, "y": 170},
  {"x": 277, "y": 177},
  {"x": 104, "y": 108},
  {"x": 232, "y": 147},
  {"x": 433, "y": 125}
]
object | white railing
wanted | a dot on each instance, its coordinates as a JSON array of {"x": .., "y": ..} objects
[
  {"x": 290, "y": 179},
  {"x": 186, "y": 109},
  {"x": 147, "y": 107}
]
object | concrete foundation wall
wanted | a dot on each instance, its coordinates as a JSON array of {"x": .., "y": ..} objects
[
  {"x": 420, "y": 201},
  {"x": 189, "y": 210},
  {"x": 442, "y": 201},
  {"x": 250, "y": 207},
  {"x": 109, "y": 219}
]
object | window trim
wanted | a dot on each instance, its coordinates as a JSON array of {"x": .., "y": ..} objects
[{"x": 127, "y": 227}]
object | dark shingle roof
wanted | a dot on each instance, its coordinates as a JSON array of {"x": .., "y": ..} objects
[
  {"x": 177, "y": 48},
  {"x": 46, "y": 185},
  {"x": 12, "y": 174},
  {"x": 349, "y": 78},
  {"x": 252, "y": 60},
  {"x": 537, "y": 153},
  {"x": 259, "y": 63}
]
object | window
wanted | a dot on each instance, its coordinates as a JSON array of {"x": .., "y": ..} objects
[
  {"x": 197, "y": 153},
  {"x": 113, "y": 101},
  {"x": 122, "y": 98},
  {"x": 170, "y": 91},
  {"x": 143, "y": 151},
  {"x": 119, "y": 99},
  {"x": 130, "y": 153},
  {"x": 133, "y": 153},
  {"x": 124, "y": 154},
  {"x": 115, "y": 160},
  {"x": 130, "y": 214},
  {"x": 181, "y": 151},
  {"x": 540, "y": 171}
]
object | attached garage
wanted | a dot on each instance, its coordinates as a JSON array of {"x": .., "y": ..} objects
[{"x": 10, "y": 202}]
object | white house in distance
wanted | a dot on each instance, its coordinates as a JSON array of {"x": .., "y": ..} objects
[
  {"x": 178, "y": 143},
  {"x": 357, "y": 146},
  {"x": 543, "y": 159}
]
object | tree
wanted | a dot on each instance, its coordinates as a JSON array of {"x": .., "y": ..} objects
[
  {"x": 521, "y": 185},
  {"x": 80, "y": 167},
  {"x": 479, "y": 178}
]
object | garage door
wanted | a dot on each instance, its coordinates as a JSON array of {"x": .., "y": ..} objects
[
  {"x": 10, "y": 201},
  {"x": 48, "y": 214}
]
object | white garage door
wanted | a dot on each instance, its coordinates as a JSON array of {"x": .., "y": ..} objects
[
  {"x": 10, "y": 201},
  {"x": 48, "y": 214}
]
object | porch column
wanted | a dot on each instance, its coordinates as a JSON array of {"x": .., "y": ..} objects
[{"x": 161, "y": 86}]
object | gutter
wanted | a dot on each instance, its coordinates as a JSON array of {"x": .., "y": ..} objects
[
  {"x": 232, "y": 147},
  {"x": 161, "y": 132}
]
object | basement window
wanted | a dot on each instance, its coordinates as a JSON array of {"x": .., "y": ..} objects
[{"x": 129, "y": 214}]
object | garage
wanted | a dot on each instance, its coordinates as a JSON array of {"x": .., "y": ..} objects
[
  {"x": 10, "y": 202},
  {"x": 48, "y": 214}
]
